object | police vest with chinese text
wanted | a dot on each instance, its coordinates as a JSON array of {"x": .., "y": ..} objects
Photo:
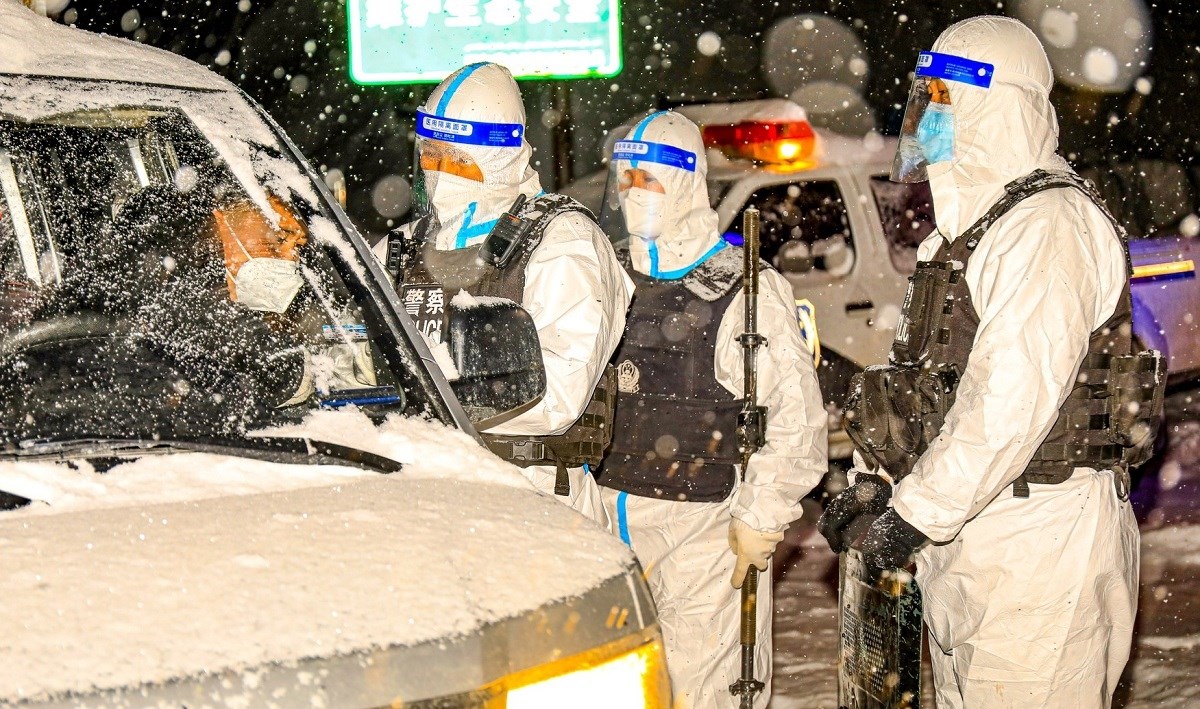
[{"x": 423, "y": 270}]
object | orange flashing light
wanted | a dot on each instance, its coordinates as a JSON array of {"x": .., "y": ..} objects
[{"x": 764, "y": 141}]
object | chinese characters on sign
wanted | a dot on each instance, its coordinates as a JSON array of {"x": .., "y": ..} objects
[{"x": 402, "y": 41}]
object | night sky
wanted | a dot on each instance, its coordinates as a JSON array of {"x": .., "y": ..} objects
[{"x": 291, "y": 57}]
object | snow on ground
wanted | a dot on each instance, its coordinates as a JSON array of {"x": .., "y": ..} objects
[{"x": 1164, "y": 672}]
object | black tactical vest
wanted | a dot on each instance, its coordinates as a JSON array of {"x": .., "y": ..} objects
[
  {"x": 895, "y": 411},
  {"x": 675, "y": 434},
  {"x": 419, "y": 263}
]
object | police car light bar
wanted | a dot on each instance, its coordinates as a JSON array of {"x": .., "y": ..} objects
[{"x": 778, "y": 142}]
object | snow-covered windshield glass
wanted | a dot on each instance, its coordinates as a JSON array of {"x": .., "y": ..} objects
[{"x": 145, "y": 293}]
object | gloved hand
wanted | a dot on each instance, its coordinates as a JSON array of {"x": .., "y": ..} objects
[
  {"x": 891, "y": 541},
  {"x": 751, "y": 547},
  {"x": 869, "y": 495}
]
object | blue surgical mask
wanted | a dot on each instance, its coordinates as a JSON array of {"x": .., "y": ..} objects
[{"x": 935, "y": 133}]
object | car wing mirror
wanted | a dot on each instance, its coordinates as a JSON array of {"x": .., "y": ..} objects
[{"x": 495, "y": 348}]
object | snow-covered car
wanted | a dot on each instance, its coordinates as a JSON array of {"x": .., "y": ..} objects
[
  {"x": 231, "y": 473},
  {"x": 846, "y": 237}
]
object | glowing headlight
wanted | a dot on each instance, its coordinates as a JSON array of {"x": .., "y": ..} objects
[{"x": 628, "y": 673}]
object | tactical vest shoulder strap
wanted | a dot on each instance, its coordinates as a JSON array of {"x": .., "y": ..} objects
[
  {"x": 542, "y": 210},
  {"x": 1025, "y": 187},
  {"x": 711, "y": 280}
]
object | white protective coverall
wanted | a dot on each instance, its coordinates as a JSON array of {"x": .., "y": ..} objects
[
  {"x": 684, "y": 547},
  {"x": 1031, "y": 602},
  {"x": 575, "y": 289}
]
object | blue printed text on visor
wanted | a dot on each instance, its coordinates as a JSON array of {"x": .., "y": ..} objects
[
  {"x": 661, "y": 153},
  {"x": 454, "y": 130},
  {"x": 954, "y": 68}
]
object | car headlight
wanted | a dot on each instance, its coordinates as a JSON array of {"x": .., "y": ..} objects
[{"x": 630, "y": 672}]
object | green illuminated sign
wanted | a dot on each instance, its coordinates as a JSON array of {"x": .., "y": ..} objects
[{"x": 413, "y": 41}]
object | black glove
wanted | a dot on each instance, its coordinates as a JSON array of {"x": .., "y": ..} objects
[
  {"x": 891, "y": 542},
  {"x": 869, "y": 495}
]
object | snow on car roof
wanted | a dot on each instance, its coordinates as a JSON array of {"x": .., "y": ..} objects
[
  {"x": 771, "y": 109},
  {"x": 834, "y": 149},
  {"x": 32, "y": 44},
  {"x": 113, "y": 73}
]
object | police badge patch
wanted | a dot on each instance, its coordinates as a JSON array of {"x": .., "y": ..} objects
[{"x": 628, "y": 376}]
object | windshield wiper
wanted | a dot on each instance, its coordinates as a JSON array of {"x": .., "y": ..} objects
[
  {"x": 336, "y": 453},
  {"x": 267, "y": 448}
]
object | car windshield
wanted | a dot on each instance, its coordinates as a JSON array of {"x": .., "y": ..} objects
[{"x": 146, "y": 293}]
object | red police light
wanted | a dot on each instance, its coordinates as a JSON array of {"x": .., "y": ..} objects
[{"x": 778, "y": 142}]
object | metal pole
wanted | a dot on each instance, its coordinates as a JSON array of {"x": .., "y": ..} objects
[{"x": 751, "y": 437}]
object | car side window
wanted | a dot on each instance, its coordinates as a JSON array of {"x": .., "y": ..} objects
[
  {"x": 906, "y": 214},
  {"x": 805, "y": 229}
]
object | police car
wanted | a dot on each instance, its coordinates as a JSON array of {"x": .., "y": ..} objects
[{"x": 845, "y": 237}]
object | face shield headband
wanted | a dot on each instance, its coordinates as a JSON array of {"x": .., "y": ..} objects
[
  {"x": 461, "y": 132},
  {"x": 443, "y": 160},
  {"x": 927, "y": 133},
  {"x": 635, "y": 151}
]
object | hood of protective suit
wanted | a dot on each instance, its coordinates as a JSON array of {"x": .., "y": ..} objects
[
  {"x": 671, "y": 235},
  {"x": 466, "y": 209},
  {"x": 1000, "y": 133}
]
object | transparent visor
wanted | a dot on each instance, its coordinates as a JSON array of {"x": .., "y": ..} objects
[
  {"x": 927, "y": 133},
  {"x": 441, "y": 150},
  {"x": 432, "y": 160},
  {"x": 633, "y": 196}
]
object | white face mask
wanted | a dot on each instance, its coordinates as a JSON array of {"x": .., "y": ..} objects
[
  {"x": 450, "y": 194},
  {"x": 643, "y": 212},
  {"x": 268, "y": 284}
]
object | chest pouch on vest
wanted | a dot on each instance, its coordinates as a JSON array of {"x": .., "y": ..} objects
[
  {"x": 1137, "y": 387},
  {"x": 925, "y": 313},
  {"x": 893, "y": 413}
]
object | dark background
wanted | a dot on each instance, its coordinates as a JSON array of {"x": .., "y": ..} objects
[{"x": 291, "y": 56}]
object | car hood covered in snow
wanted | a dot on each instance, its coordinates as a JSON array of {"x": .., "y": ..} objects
[{"x": 362, "y": 590}]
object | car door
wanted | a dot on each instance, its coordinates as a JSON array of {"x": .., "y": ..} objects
[{"x": 817, "y": 236}]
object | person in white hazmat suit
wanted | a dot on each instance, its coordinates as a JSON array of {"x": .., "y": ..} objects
[
  {"x": 1028, "y": 559},
  {"x": 671, "y": 482},
  {"x": 473, "y": 164}
]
